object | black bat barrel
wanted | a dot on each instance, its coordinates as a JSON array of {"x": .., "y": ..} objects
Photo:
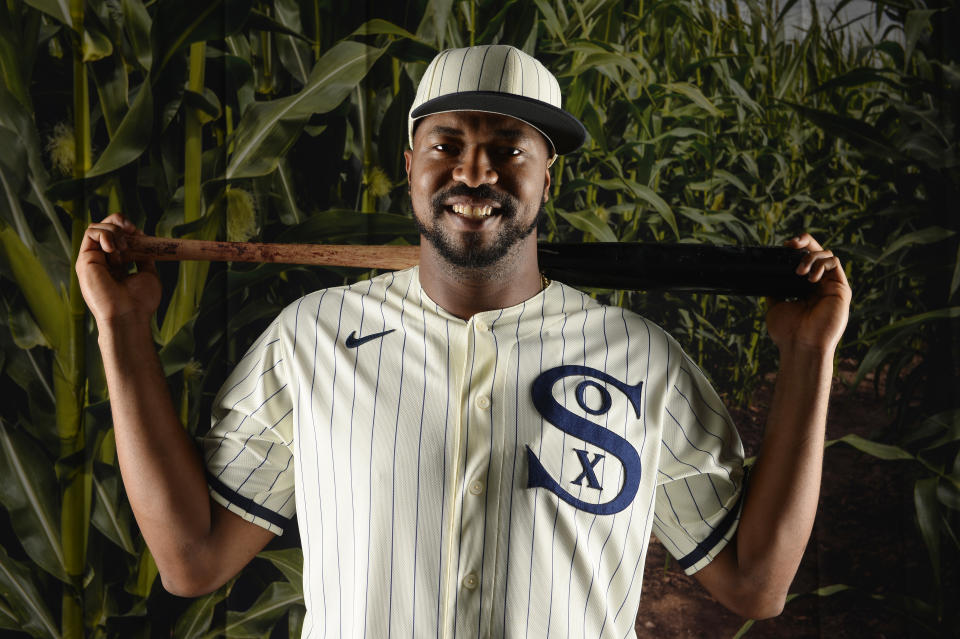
[{"x": 733, "y": 270}]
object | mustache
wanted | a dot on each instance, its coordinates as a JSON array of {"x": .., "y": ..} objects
[{"x": 508, "y": 204}]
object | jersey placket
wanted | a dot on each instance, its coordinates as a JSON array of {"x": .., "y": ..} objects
[{"x": 477, "y": 482}]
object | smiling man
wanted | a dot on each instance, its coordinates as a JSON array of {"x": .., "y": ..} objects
[
  {"x": 470, "y": 449},
  {"x": 478, "y": 182}
]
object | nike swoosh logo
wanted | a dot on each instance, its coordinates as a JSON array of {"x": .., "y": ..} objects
[{"x": 353, "y": 341}]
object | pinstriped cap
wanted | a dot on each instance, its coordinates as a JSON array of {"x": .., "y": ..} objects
[{"x": 497, "y": 78}]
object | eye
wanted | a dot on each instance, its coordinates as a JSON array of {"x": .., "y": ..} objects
[{"x": 444, "y": 147}]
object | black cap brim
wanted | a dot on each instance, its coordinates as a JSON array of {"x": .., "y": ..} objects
[{"x": 564, "y": 131}]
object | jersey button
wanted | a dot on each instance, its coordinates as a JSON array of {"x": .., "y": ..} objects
[
  {"x": 481, "y": 325},
  {"x": 470, "y": 581},
  {"x": 483, "y": 402},
  {"x": 476, "y": 487}
]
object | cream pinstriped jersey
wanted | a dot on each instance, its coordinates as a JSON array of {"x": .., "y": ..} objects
[{"x": 493, "y": 477}]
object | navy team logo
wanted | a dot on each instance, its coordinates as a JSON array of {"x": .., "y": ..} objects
[{"x": 584, "y": 429}]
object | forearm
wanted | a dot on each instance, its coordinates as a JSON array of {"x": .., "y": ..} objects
[
  {"x": 161, "y": 468},
  {"x": 784, "y": 487},
  {"x": 752, "y": 575}
]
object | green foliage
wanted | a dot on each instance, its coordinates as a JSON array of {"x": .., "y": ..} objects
[{"x": 706, "y": 125}]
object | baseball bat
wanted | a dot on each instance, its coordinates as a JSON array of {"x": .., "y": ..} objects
[{"x": 740, "y": 270}]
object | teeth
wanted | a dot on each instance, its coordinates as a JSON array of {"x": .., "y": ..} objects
[{"x": 476, "y": 213}]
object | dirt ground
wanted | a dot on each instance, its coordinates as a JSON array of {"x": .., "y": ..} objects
[{"x": 862, "y": 538}]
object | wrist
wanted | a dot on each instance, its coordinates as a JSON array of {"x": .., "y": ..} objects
[
  {"x": 123, "y": 327},
  {"x": 808, "y": 356}
]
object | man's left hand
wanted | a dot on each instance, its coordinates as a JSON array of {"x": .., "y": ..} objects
[{"x": 817, "y": 322}]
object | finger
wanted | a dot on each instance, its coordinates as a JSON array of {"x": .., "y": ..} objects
[
  {"x": 148, "y": 266},
  {"x": 92, "y": 245},
  {"x": 807, "y": 261},
  {"x": 103, "y": 237},
  {"x": 804, "y": 241},
  {"x": 821, "y": 266},
  {"x": 119, "y": 220}
]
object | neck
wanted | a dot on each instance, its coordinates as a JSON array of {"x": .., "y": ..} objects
[{"x": 464, "y": 292}]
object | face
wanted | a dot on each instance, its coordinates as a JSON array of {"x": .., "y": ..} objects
[{"x": 478, "y": 182}]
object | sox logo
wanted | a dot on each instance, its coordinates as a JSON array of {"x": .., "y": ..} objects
[{"x": 584, "y": 429}]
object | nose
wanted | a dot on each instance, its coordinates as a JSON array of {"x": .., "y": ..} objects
[{"x": 475, "y": 168}]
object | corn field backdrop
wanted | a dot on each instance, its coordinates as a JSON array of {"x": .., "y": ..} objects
[{"x": 285, "y": 120}]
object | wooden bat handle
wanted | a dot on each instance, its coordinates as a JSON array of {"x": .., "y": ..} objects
[{"x": 389, "y": 257}]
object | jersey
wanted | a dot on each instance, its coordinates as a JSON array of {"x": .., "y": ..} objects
[{"x": 499, "y": 476}]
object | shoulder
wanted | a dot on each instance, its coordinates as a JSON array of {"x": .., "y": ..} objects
[
  {"x": 375, "y": 290},
  {"x": 567, "y": 301},
  {"x": 614, "y": 329}
]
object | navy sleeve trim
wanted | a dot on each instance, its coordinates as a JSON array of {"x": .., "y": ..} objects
[
  {"x": 704, "y": 547},
  {"x": 247, "y": 504}
]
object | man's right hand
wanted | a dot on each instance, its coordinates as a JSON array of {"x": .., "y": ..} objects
[{"x": 112, "y": 293}]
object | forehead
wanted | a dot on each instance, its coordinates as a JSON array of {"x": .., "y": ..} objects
[{"x": 477, "y": 124}]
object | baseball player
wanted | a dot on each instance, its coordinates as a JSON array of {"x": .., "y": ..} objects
[{"x": 470, "y": 449}]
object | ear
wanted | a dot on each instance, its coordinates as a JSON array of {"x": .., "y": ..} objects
[
  {"x": 546, "y": 185},
  {"x": 408, "y": 158}
]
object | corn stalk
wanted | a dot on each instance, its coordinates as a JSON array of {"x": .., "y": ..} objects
[
  {"x": 68, "y": 371},
  {"x": 186, "y": 297}
]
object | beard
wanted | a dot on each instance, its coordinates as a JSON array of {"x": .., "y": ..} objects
[{"x": 471, "y": 251}]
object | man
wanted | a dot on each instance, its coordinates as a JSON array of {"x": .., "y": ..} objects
[{"x": 471, "y": 449}]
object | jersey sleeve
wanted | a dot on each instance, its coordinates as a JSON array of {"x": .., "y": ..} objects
[
  {"x": 248, "y": 450},
  {"x": 700, "y": 475}
]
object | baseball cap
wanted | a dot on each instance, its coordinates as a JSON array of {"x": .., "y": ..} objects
[{"x": 497, "y": 78}]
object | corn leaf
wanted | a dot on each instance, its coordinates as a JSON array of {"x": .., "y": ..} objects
[
  {"x": 916, "y": 23},
  {"x": 136, "y": 24},
  {"x": 351, "y": 227},
  {"x": 590, "y": 223},
  {"x": 45, "y": 303},
  {"x": 294, "y": 53},
  {"x": 922, "y": 318},
  {"x": 17, "y": 118},
  {"x": 8, "y": 618},
  {"x": 195, "y": 621},
  {"x": 433, "y": 25},
  {"x": 928, "y": 519},
  {"x": 19, "y": 590},
  {"x": 141, "y": 580},
  {"x": 289, "y": 561},
  {"x": 258, "y": 619},
  {"x": 948, "y": 493},
  {"x": 378, "y": 26},
  {"x": 872, "y": 448},
  {"x": 96, "y": 45},
  {"x": 180, "y": 23},
  {"x": 29, "y": 492},
  {"x": 693, "y": 94},
  {"x": 109, "y": 516},
  {"x": 648, "y": 195},
  {"x": 860, "y": 134},
  {"x": 267, "y": 130},
  {"x": 551, "y": 21},
  {"x": 11, "y": 77},
  {"x": 58, "y": 9},
  {"x": 290, "y": 212},
  {"x": 12, "y": 178},
  {"x": 132, "y": 136},
  {"x": 928, "y": 235},
  {"x": 295, "y": 621},
  {"x": 940, "y": 429},
  {"x": 24, "y": 331}
]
